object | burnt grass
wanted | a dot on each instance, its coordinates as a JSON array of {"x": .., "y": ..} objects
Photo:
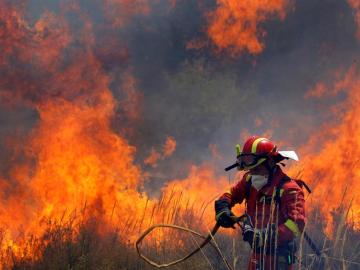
[{"x": 79, "y": 244}]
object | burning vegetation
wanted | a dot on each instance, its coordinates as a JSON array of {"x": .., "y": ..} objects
[{"x": 73, "y": 186}]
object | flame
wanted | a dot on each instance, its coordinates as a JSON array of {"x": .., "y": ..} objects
[
  {"x": 79, "y": 159},
  {"x": 167, "y": 150},
  {"x": 235, "y": 25},
  {"x": 169, "y": 146},
  {"x": 153, "y": 158},
  {"x": 12, "y": 34},
  {"x": 75, "y": 164},
  {"x": 318, "y": 91},
  {"x": 202, "y": 186},
  {"x": 330, "y": 159},
  {"x": 41, "y": 44},
  {"x": 74, "y": 161}
]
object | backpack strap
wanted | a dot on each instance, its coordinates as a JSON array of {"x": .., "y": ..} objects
[
  {"x": 282, "y": 181},
  {"x": 277, "y": 197},
  {"x": 278, "y": 188},
  {"x": 286, "y": 178},
  {"x": 248, "y": 187},
  {"x": 302, "y": 184}
]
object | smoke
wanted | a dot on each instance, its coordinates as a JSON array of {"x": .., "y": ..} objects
[
  {"x": 355, "y": 5},
  {"x": 115, "y": 79},
  {"x": 202, "y": 97},
  {"x": 225, "y": 97}
]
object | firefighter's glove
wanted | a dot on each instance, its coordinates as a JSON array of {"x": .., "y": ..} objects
[
  {"x": 248, "y": 233},
  {"x": 224, "y": 217},
  {"x": 259, "y": 239}
]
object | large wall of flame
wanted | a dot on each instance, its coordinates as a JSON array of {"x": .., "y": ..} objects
[
  {"x": 104, "y": 104},
  {"x": 330, "y": 159},
  {"x": 71, "y": 158}
]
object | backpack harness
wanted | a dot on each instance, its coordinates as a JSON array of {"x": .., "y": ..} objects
[
  {"x": 278, "y": 189},
  {"x": 277, "y": 199}
]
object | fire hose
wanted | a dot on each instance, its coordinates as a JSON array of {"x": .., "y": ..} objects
[{"x": 206, "y": 239}]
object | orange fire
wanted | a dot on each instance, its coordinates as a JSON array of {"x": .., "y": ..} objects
[
  {"x": 169, "y": 146},
  {"x": 77, "y": 162},
  {"x": 80, "y": 161},
  {"x": 318, "y": 91},
  {"x": 235, "y": 25},
  {"x": 330, "y": 159},
  {"x": 78, "y": 165},
  {"x": 199, "y": 191},
  {"x": 167, "y": 150}
]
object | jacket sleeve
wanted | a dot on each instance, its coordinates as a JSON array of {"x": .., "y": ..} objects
[
  {"x": 236, "y": 194},
  {"x": 293, "y": 209}
]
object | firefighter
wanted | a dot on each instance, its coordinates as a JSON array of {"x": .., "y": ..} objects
[{"x": 275, "y": 213}]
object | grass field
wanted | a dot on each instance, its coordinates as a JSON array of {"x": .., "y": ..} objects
[{"x": 86, "y": 243}]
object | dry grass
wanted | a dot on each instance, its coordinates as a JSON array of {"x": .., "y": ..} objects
[{"x": 79, "y": 243}]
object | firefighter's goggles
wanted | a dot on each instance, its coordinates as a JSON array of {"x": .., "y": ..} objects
[{"x": 248, "y": 160}]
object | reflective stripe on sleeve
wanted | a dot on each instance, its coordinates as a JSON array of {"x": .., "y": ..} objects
[
  {"x": 218, "y": 215},
  {"x": 292, "y": 226}
]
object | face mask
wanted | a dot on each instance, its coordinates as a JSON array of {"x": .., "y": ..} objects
[{"x": 258, "y": 181}]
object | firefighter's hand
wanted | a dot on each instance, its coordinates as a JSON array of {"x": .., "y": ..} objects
[
  {"x": 260, "y": 238},
  {"x": 224, "y": 217},
  {"x": 248, "y": 233},
  {"x": 255, "y": 239}
]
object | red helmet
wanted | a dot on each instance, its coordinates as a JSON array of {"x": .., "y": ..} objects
[{"x": 255, "y": 151}]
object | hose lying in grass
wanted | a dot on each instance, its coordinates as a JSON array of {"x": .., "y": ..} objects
[{"x": 206, "y": 239}]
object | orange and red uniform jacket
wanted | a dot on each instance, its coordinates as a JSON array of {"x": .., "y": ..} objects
[{"x": 290, "y": 216}]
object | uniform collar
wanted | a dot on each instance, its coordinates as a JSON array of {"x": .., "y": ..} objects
[{"x": 278, "y": 174}]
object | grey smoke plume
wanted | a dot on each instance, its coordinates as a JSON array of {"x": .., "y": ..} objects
[{"x": 202, "y": 98}]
